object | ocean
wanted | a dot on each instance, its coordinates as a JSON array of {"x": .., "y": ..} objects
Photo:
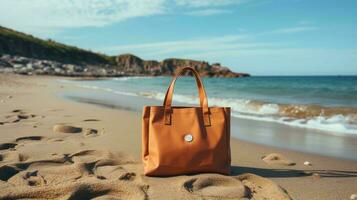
[{"x": 327, "y": 103}]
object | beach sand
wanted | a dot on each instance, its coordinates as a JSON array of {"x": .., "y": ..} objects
[{"x": 61, "y": 149}]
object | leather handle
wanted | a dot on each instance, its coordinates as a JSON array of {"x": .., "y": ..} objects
[{"x": 201, "y": 91}]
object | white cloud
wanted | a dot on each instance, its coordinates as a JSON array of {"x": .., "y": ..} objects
[
  {"x": 178, "y": 48},
  {"x": 230, "y": 48},
  {"x": 208, "y": 12},
  {"x": 305, "y": 22},
  {"x": 46, "y": 17},
  {"x": 294, "y": 29},
  {"x": 52, "y": 15},
  {"x": 207, "y": 46},
  {"x": 208, "y": 3}
]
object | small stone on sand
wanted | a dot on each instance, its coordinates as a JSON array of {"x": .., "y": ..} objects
[
  {"x": 9, "y": 97},
  {"x": 316, "y": 176},
  {"x": 307, "y": 163},
  {"x": 353, "y": 196}
]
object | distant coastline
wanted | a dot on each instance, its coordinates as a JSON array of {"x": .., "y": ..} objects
[{"x": 24, "y": 54}]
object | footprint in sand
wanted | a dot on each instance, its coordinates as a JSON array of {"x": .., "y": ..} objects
[
  {"x": 262, "y": 188},
  {"x": 27, "y": 178},
  {"x": 12, "y": 156},
  {"x": 74, "y": 176},
  {"x": 277, "y": 159},
  {"x": 215, "y": 186},
  {"x": 87, "y": 188},
  {"x": 245, "y": 186},
  {"x": 12, "y": 145},
  {"x": 29, "y": 138},
  {"x": 87, "y": 132},
  {"x": 6, "y": 172},
  {"x": 17, "y": 115},
  {"x": 91, "y": 120},
  {"x": 60, "y": 128},
  {"x": 5, "y": 146}
]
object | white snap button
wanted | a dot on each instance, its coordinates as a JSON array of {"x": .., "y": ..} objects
[{"x": 188, "y": 138}]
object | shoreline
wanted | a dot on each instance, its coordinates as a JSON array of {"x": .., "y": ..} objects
[
  {"x": 326, "y": 178},
  {"x": 330, "y": 118},
  {"x": 260, "y": 132}
]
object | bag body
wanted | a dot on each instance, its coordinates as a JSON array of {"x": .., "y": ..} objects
[{"x": 185, "y": 140}]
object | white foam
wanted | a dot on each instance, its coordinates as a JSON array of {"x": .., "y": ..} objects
[
  {"x": 269, "y": 109},
  {"x": 328, "y": 124},
  {"x": 126, "y": 78}
]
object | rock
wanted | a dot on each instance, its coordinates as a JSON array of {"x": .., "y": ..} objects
[
  {"x": 47, "y": 70},
  {"x": 130, "y": 63},
  {"x": 58, "y": 70},
  {"x": 20, "y": 60},
  {"x": 29, "y": 66},
  {"x": 6, "y": 57},
  {"x": 66, "y": 129},
  {"x": 5, "y": 64},
  {"x": 73, "y": 68},
  {"x": 9, "y": 97},
  {"x": 353, "y": 196},
  {"x": 103, "y": 72},
  {"x": 78, "y": 68},
  {"x": 307, "y": 163},
  {"x": 126, "y": 64},
  {"x": 134, "y": 65},
  {"x": 316, "y": 176},
  {"x": 7, "y": 70},
  {"x": 17, "y": 66}
]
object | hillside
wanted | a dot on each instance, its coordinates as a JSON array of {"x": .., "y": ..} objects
[
  {"x": 21, "y": 44},
  {"x": 26, "y": 54}
]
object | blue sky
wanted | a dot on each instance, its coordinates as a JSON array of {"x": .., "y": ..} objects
[{"x": 261, "y": 37}]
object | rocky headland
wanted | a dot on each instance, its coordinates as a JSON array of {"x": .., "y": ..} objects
[{"x": 24, "y": 54}]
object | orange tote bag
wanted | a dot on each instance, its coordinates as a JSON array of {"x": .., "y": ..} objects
[{"x": 185, "y": 140}]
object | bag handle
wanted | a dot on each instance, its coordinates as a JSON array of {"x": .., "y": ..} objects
[{"x": 201, "y": 91}]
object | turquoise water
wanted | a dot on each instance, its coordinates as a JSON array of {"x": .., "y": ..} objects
[{"x": 326, "y": 103}]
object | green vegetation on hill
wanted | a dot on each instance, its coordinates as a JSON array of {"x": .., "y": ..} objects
[{"x": 16, "y": 43}]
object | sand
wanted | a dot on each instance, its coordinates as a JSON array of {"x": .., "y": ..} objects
[{"x": 52, "y": 148}]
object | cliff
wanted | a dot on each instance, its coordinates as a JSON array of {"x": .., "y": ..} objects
[
  {"x": 25, "y": 54},
  {"x": 135, "y": 65}
]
